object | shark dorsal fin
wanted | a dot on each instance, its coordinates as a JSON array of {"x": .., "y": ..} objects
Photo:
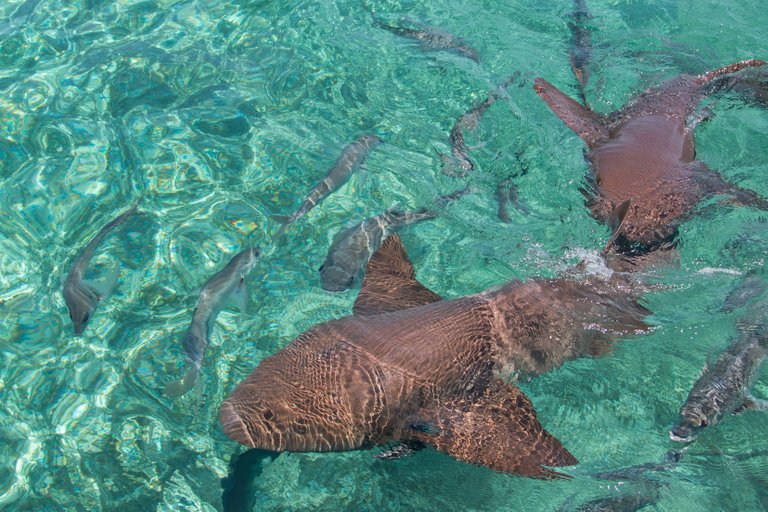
[
  {"x": 390, "y": 282},
  {"x": 617, "y": 218}
]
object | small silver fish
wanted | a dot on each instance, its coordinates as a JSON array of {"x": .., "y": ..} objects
[
  {"x": 81, "y": 296},
  {"x": 506, "y": 192},
  {"x": 445, "y": 200},
  {"x": 352, "y": 247},
  {"x": 459, "y": 163},
  {"x": 629, "y": 502},
  {"x": 580, "y": 52},
  {"x": 723, "y": 388},
  {"x": 641, "y": 492},
  {"x": 351, "y": 157},
  {"x": 225, "y": 285},
  {"x": 432, "y": 39}
]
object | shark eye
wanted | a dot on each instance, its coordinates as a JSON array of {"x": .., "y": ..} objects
[
  {"x": 704, "y": 423},
  {"x": 350, "y": 281}
]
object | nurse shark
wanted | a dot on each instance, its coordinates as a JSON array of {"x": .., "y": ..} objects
[
  {"x": 410, "y": 366},
  {"x": 646, "y": 179}
]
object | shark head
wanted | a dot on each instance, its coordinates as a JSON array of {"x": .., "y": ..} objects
[
  {"x": 81, "y": 301},
  {"x": 303, "y": 399}
]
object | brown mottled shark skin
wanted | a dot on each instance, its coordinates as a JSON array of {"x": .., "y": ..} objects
[
  {"x": 644, "y": 154},
  {"x": 409, "y": 366}
]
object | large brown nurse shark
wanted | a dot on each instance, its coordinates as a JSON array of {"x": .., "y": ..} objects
[
  {"x": 409, "y": 366},
  {"x": 646, "y": 177}
]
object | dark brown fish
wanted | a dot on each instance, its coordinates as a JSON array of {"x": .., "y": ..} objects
[
  {"x": 644, "y": 154},
  {"x": 408, "y": 365}
]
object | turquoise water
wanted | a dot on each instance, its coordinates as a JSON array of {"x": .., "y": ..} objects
[{"x": 222, "y": 114}]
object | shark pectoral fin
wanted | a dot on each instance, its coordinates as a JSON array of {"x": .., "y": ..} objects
[
  {"x": 617, "y": 218},
  {"x": 177, "y": 388},
  {"x": 499, "y": 430},
  {"x": 390, "y": 282},
  {"x": 711, "y": 183},
  {"x": 578, "y": 118}
]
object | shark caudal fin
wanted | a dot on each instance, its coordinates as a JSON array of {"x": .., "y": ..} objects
[
  {"x": 578, "y": 118},
  {"x": 390, "y": 282},
  {"x": 499, "y": 430},
  {"x": 708, "y": 77}
]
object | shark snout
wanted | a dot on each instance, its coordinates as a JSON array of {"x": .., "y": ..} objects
[{"x": 234, "y": 426}]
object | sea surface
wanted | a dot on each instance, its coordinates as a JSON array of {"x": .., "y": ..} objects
[{"x": 219, "y": 115}]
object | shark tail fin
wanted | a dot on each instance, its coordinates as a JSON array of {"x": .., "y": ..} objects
[{"x": 708, "y": 77}]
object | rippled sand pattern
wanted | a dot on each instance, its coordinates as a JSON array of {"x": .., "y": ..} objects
[{"x": 223, "y": 114}]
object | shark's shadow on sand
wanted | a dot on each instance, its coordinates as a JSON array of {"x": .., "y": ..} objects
[{"x": 410, "y": 366}]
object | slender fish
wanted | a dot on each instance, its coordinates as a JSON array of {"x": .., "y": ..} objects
[
  {"x": 459, "y": 163},
  {"x": 446, "y": 199},
  {"x": 353, "y": 247},
  {"x": 224, "y": 286},
  {"x": 82, "y": 296},
  {"x": 432, "y": 39},
  {"x": 351, "y": 158},
  {"x": 581, "y": 45},
  {"x": 506, "y": 192}
]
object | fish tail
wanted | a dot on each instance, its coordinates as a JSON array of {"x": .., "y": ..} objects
[
  {"x": 283, "y": 221},
  {"x": 706, "y": 78},
  {"x": 177, "y": 388}
]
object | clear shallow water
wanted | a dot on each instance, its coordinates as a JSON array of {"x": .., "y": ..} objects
[{"x": 222, "y": 114}]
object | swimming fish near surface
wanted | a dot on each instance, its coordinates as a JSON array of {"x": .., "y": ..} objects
[
  {"x": 723, "y": 387},
  {"x": 506, "y": 192},
  {"x": 644, "y": 154},
  {"x": 580, "y": 51},
  {"x": 226, "y": 285},
  {"x": 459, "y": 163},
  {"x": 353, "y": 247},
  {"x": 407, "y": 365},
  {"x": 432, "y": 39},
  {"x": 351, "y": 158},
  {"x": 82, "y": 296}
]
